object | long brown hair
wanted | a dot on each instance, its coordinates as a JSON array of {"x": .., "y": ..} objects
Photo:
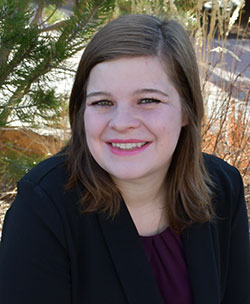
[{"x": 187, "y": 181}]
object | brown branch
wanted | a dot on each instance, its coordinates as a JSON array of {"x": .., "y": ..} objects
[
  {"x": 18, "y": 58},
  {"x": 53, "y": 27},
  {"x": 16, "y": 108},
  {"x": 4, "y": 55},
  {"x": 38, "y": 13},
  {"x": 50, "y": 16},
  {"x": 90, "y": 16}
]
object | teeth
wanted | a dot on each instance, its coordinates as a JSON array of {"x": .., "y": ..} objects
[{"x": 128, "y": 146}]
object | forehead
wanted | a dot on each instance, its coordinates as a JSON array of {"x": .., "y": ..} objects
[{"x": 130, "y": 73}]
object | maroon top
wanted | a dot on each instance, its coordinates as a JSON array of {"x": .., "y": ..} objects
[{"x": 165, "y": 253}]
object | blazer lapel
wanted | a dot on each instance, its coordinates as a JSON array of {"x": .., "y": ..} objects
[
  {"x": 202, "y": 265},
  {"x": 129, "y": 258}
]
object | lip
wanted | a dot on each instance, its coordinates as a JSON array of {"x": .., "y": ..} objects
[{"x": 134, "y": 151}]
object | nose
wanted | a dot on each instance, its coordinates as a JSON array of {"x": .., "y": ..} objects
[{"x": 124, "y": 118}]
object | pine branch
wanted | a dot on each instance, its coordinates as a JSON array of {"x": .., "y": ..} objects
[
  {"x": 21, "y": 91},
  {"x": 7, "y": 69},
  {"x": 36, "y": 53},
  {"x": 69, "y": 36}
]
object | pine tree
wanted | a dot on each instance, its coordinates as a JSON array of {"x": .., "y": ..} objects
[{"x": 34, "y": 45}]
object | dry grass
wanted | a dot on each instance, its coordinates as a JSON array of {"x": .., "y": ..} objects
[{"x": 227, "y": 96}]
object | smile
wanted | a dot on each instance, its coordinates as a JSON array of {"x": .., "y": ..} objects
[{"x": 128, "y": 146}]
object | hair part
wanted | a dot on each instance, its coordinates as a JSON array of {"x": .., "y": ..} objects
[{"x": 187, "y": 181}]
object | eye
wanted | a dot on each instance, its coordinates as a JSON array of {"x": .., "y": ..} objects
[
  {"x": 149, "y": 101},
  {"x": 102, "y": 103}
]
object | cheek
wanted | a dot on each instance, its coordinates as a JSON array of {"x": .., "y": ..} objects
[
  {"x": 166, "y": 122},
  {"x": 89, "y": 130},
  {"x": 90, "y": 133},
  {"x": 87, "y": 124},
  {"x": 94, "y": 126}
]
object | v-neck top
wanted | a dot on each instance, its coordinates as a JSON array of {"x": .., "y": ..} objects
[{"x": 165, "y": 253}]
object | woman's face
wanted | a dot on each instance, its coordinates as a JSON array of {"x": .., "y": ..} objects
[{"x": 133, "y": 117}]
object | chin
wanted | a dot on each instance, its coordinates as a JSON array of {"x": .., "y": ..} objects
[{"x": 127, "y": 177}]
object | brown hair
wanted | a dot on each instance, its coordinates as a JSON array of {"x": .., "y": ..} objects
[{"x": 187, "y": 182}]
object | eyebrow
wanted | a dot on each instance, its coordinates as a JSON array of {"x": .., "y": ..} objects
[
  {"x": 98, "y": 93},
  {"x": 144, "y": 90},
  {"x": 148, "y": 90}
]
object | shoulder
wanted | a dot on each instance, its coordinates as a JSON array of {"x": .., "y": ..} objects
[
  {"x": 45, "y": 184},
  {"x": 42, "y": 206},
  {"x": 227, "y": 188},
  {"x": 42, "y": 197},
  {"x": 50, "y": 176},
  {"x": 221, "y": 173},
  {"x": 47, "y": 169}
]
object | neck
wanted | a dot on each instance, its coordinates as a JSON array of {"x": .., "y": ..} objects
[{"x": 145, "y": 200}]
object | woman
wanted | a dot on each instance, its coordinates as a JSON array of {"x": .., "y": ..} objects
[{"x": 131, "y": 211}]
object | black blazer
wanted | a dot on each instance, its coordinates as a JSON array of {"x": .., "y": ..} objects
[{"x": 51, "y": 254}]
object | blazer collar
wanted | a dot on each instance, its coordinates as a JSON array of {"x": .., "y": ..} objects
[
  {"x": 129, "y": 258},
  {"x": 201, "y": 261}
]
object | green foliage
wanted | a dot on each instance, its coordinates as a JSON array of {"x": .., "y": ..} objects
[
  {"x": 52, "y": 14},
  {"x": 14, "y": 165},
  {"x": 36, "y": 38}
]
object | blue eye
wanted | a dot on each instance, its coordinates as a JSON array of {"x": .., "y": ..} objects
[
  {"x": 102, "y": 103},
  {"x": 149, "y": 101}
]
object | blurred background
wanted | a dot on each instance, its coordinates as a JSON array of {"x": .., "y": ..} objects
[{"x": 40, "y": 46}]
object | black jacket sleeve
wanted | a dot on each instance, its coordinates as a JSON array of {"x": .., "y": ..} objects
[
  {"x": 238, "y": 277},
  {"x": 33, "y": 255}
]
